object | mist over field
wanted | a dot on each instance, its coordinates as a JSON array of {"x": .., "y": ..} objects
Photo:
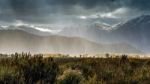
[{"x": 77, "y": 26}]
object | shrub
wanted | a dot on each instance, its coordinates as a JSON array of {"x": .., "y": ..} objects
[{"x": 70, "y": 77}]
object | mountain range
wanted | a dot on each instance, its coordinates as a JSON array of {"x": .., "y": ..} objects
[{"x": 129, "y": 37}]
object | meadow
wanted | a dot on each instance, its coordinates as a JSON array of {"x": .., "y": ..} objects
[{"x": 26, "y": 68}]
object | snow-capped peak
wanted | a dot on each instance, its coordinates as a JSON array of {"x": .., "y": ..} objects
[
  {"x": 102, "y": 26},
  {"x": 34, "y": 29}
]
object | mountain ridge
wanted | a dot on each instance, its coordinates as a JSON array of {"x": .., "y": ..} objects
[{"x": 18, "y": 40}]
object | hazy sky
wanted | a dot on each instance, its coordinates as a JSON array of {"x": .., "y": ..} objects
[{"x": 71, "y": 11}]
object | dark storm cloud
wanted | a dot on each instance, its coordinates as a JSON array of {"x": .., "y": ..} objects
[
  {"x": 29, "y": 6},
  {"x": 33, "y": 10},
  {"x": 23, "y": 6},
  {"x": 140, "y": 4},
  {"x": 38, "y": 6},
  {"x": 85, "y": 3}
]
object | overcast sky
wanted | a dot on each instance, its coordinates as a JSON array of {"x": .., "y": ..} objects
[{"x": 71, "y": 11}]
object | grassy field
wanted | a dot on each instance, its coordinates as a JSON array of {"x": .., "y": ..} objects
[{"x": 25, "y": 68}]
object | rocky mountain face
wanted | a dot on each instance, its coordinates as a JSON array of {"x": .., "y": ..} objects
[{"x": 136, "y": 32}]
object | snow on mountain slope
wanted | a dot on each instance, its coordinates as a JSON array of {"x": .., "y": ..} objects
[{"x": 33, "y": 29}]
